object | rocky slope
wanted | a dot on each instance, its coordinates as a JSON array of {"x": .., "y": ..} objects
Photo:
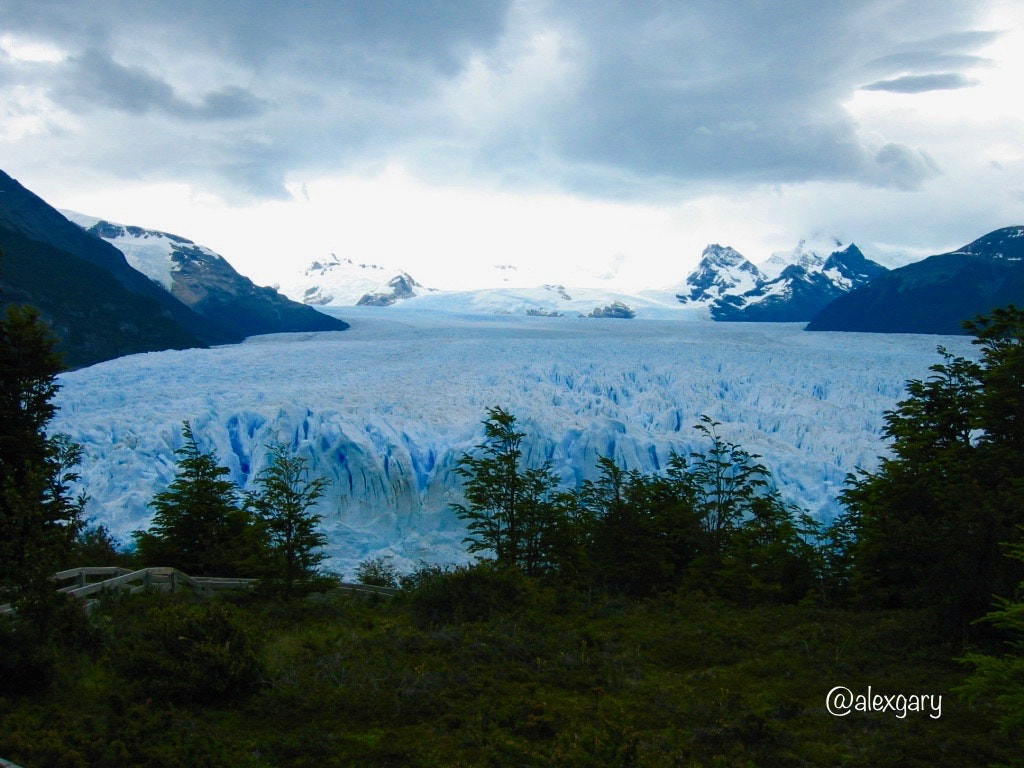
[
  {"x": 204, "y": 281},
  {"x": 937, "y": 294},
  {"x": 790, "y": 287}
]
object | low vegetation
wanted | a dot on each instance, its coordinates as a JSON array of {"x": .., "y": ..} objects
[{"x": 688, "y": 618}]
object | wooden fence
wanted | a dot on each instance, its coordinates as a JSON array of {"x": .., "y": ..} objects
[{"x": 91, "y": 582}]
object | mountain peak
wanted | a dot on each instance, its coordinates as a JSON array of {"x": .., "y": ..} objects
[
  {"x": 936, "y": 294},
  {"x": 1006, "y": 243},
  {"x": 205, "y": 282},
  {"x": 790, "y": 286},
  {"x": 401, "y": 286},
  {"x": 722, "y": 270},
  {"x": 723, "y": 254}
]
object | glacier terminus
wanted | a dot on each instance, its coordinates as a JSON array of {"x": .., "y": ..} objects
[{"x": 386, "y": 409}]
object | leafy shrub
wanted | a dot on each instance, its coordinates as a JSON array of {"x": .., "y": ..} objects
[
  {"x": 377, "y": 572},
  {"x": 26, "y": 664},
  {"x": 470, "y": 593},
  {"x": 44, "y": 628},
  {"x": 424, "y": 573},
  {"x": 188, "y": 652}
]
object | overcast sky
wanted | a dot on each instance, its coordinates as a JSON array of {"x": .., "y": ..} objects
[{"x": 560, "y": 135}]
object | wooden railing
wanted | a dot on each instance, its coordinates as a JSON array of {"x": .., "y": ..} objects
[
  {"x": 91, "y": 582},
  {"x": 369, "y": 589}
]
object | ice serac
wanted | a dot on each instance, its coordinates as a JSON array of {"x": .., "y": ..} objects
[
  {"x": 205, "y": 282},
  {"x": 386, "y": 410},
  {"x": 935, "y": 295}
]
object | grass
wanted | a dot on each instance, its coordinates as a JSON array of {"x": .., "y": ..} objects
[{"x": 566, "y": 680}]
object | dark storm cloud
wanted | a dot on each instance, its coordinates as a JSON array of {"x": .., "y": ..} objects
[
  {"x": 662, "y": 93},
  {"x": 944, "y": 81},
  {"x": 755, "y": 94},
  {"x": 94, "y": 80}
]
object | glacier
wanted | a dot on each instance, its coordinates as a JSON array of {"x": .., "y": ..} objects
[{"x": 385, "y": 410}]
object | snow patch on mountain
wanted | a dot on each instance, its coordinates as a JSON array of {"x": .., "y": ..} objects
[
  {"x": 339, "y": 282},
  {"x": 148, "y": 251}
]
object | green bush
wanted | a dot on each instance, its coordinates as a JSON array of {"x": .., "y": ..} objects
[
  {"x": 26, "y": 663},
  {"x": 377, "y": 572},
  {"x": 45, "y": 628},
  {"x": 469, "y": 593},
  {"x": 187, "y": 652}
]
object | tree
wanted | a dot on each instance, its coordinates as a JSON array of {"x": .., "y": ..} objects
[
  {"x": 39, "y": 519},
  {"x": 282, "y": 504},
  {"x": 768, "y": 557},
  {"x": 712, "y": 521},
  {"x": 932, "y": 520},
  {"x": 1001, "y": 678},
  {"x": 509, "y": 510},
  {"x": 377, "y": 572},
  {"x": 198, "y": 526},
  {"x": 727, "y": 481},
  {"x": 632, "y": 542}
]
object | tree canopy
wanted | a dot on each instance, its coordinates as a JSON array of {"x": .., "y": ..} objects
[
  {"x": 290, "y": 531},
  {"x": 198, "y": 524},
  {"x": 933, "y": 521},
  {"x": 39, "y": 519}
]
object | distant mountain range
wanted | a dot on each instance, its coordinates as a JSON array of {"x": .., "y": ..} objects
[
  {"x": 937, "y": 294},
  {"x": 341, "y": 282},
  {"x": 110, "y": 289},
  {"x": 100, "y": 307},
  {"x": 827, "y": 283},
  {"x": 790, "y": 287},
  {"x": 204, "y": 281}
]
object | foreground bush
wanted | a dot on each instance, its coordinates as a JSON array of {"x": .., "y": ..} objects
[
  {"x": 188, "y": 652},
  {"x": 469, "y": 593}
]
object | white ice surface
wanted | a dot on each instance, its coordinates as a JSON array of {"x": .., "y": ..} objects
[
  {"x": 564, "y": 300},
  {"x": 385, "y": 410}
]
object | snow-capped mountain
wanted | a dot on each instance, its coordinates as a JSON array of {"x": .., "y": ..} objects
[
  {"x": 97, "y": 305},
  {"x": 397, "y": 288},
  {"x": 790, "y": 286},
  {"x": 937, "y": 294},
  {"x": 204, "y": 281},
  {"x": 385, "y": 410},
  {"x": 810, "y": 253},
  {"x": 721, "y": 271},
  {"x": 338, "y": 282}
]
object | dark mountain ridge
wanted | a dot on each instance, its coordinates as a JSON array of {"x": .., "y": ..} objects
[
  {"x": 97, "y": 304},
  {"x": 206, "y": 283},
  {"x": 937, "y": 294},
  {"x": 734, "y": 289}
]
